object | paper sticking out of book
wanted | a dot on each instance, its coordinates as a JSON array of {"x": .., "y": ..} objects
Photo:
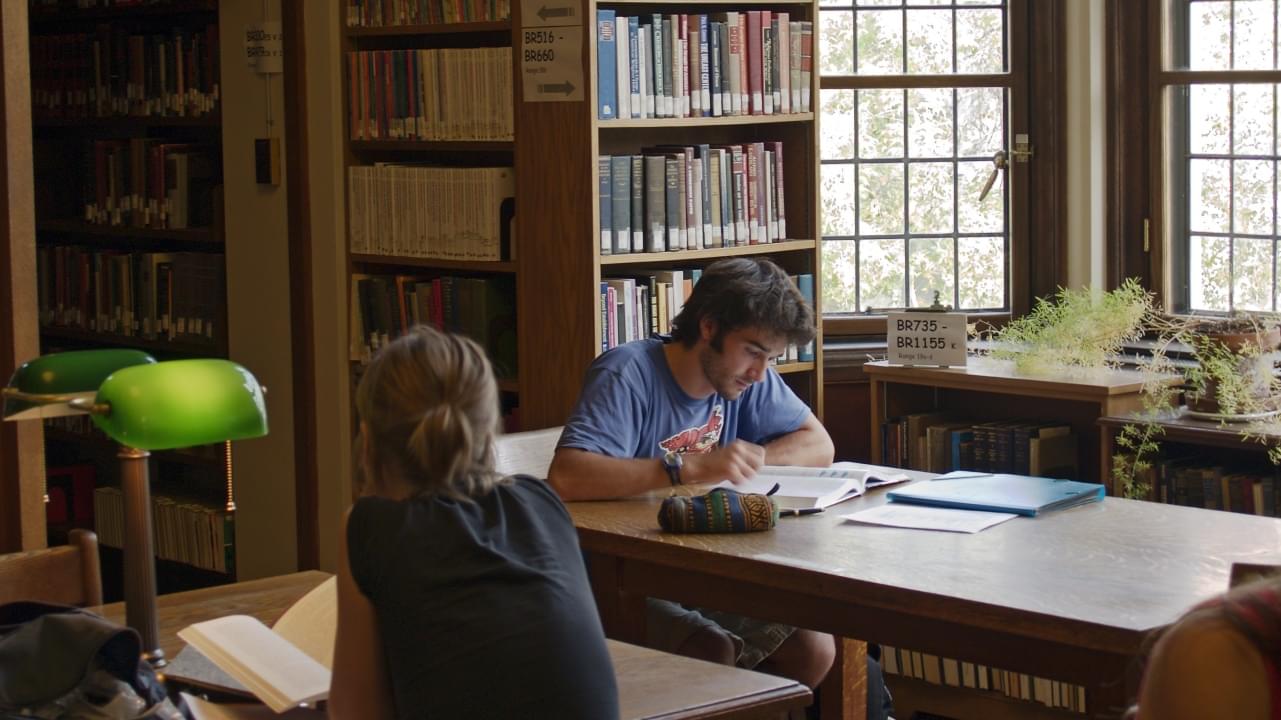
[
  {"x": 803, "y": 488},
  {"x": 875, "y": 476},
  {"x": 205, "y": 710},
  {"x": 922, "y": 517},
  {"x": 284, "y": 666}
]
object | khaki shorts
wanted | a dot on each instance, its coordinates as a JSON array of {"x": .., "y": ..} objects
[{"x": 668, "y": 625}]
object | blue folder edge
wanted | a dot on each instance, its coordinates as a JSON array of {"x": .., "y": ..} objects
[{"x": 951, "y": 495}]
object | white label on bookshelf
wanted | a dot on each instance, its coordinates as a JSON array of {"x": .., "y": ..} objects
[
  {"x": 263, "y": 48},
  {"x": 544, "y": 13},
  {"x": 926, "y": 338},
  {"x": 551, "y": 64}
]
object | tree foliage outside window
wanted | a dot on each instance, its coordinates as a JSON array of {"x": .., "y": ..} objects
[
  {"x": 903, "y": 166},
  {"x": 1224, "y": 162}
]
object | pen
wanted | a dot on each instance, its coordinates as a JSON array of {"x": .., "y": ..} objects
[{"x": 800, "y": 511}]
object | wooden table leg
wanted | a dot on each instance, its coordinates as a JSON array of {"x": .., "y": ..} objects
[
  {"x": 622, "y": 614},
  {"x": 1106, "y": 701},
  {"x": 844, "y": 694}
]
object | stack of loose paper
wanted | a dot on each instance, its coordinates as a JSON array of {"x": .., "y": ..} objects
[{"x": 929, "y": 518}]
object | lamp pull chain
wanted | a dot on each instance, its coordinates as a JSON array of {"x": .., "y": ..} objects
[{"x": 231, "y": 488}]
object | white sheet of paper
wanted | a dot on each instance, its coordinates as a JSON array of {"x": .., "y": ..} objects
[
  {"x": 205, "y": 710},
  {"x": 929, "y": 518}
]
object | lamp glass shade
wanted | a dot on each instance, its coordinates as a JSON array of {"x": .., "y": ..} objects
[
  {"x": 180, "y": 403},
  {"x": 78, "y": 373}
]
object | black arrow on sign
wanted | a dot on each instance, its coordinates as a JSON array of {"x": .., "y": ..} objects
[
  {"x": 545, "y": 12},
  {"x": 566, "y": 87}
]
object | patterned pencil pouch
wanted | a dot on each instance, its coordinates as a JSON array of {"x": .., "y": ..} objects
[{"x": 720, "y": 510}]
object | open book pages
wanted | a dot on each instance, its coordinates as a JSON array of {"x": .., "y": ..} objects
[
  {"x": 877, "y": 476},
  {"x": 284, "y": 667},
  {"x": 804, "y": 487}
]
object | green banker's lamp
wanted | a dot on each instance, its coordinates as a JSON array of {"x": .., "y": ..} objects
[{"x": 144, "y": 405}]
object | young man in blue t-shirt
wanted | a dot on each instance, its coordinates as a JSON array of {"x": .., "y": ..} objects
[{"x": 702, "y": 408}]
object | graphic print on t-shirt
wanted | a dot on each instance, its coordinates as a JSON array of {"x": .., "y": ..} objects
[{"x": 700, "y": 439}]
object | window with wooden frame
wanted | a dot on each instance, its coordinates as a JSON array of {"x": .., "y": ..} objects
[
  {"x": 923, "y": 102},
  {"x": 1195, "y": 151}
]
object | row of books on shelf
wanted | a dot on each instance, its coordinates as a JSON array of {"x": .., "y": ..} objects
[
  {"x": 55, "y": 5},
  {"x": 430, "y": 212},
  {"x": 111, "y": 72},
  {"x": 388, "y": 13},
  {"x": 150, "y": 183},
  {"x": 957, "y": 673},
  {"x": 639, "y": 305},
  {"x": 186, "y": 531},
  {"x": 385, "y": 306},
  {"x": 1194, "y": 482},
  {"x": 937, "y": 442},
  {"x": 678, "y": 65},
  {"x": 430, "y": 94},
  {"x": 673, "y": 197},
  {"x": 152, "y": 295}
]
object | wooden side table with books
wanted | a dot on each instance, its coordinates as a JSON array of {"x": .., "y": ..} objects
[{"x": 989, "y": 390}]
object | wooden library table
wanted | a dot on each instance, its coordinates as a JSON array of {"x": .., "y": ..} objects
[
  {"x": 651, "y": 684},
  {"x": 1070, "y": 595}
]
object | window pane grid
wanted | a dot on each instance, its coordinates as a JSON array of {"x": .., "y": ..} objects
[
  {"x": 1238, "y": 189},
  {"x": 900, "y": 233}
]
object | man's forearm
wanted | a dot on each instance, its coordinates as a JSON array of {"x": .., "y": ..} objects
[
  {"x": 809, "y": 445},
  {"x": 581, "y": 475}
]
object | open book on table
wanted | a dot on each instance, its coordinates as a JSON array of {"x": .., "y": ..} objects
[
  {"x": 283, "y": 666},
  {"x": 804, "y": 488}
]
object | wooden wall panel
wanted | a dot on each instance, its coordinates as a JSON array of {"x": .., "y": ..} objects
[{"x": 22, "y": 525}]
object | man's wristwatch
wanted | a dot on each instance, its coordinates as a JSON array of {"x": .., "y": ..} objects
[{"x": 672, "y": 462}]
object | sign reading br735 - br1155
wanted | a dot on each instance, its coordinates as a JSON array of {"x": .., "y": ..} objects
[{"x": 926, "y": 338}]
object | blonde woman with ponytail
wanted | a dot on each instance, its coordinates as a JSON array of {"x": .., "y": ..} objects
[{"x": 461, "y": 593}]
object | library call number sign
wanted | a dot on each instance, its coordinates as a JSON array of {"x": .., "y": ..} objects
[
  {"x": 926, "y": 338},
  {"x": 551, "y": 51}
]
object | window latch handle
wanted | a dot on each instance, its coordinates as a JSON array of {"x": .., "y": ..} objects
[{"x": 998, "y": 164}]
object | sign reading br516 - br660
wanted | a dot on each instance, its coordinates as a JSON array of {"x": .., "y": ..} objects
[{"x": 926, "y": 338}]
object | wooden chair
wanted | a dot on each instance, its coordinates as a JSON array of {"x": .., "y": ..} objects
[
  {"x": 527, "y": 453},
  {"x": 68, "y": 574}
]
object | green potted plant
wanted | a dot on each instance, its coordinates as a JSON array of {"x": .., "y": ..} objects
[{"x": 1232, "y": 381}]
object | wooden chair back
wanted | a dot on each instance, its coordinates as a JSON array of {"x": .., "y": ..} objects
[
  {"x": 68, "y": 574},
  {"x": 527, "y": 453}
]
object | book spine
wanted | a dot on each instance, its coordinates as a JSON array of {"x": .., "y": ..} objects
[
  {"x": 606, "y": 58},
  {"x": 621, "y": 203},
  {"x": 638, "y": 203},
  {"x": 634, "y": 67},
  {"x": 605, "y": 193}
]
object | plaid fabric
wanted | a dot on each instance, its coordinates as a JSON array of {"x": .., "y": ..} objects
[{"x": 718, "y": 511}]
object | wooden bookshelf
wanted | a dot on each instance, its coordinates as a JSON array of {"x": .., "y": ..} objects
[
  {"x": 988, "y": 390},
  {"x": 184, "y": 236},
  {"x": 697, "y": 256},
  {"x": 69, "y": 147},
  {"x": 556, "y": 165},
  {"x": 410, "y": 31},
  {"x": 126, "y": 123},
  {"x": 479, "y": 151},
  {"x": 88, "y": 338},
  {"x": 468, "y": 266}
]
